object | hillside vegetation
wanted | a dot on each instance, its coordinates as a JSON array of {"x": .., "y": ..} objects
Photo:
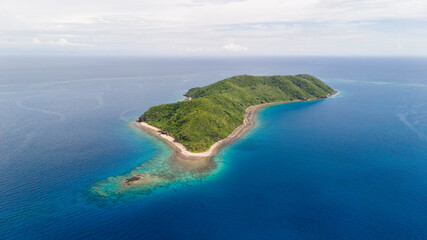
[{"x": 216, "y": 110}]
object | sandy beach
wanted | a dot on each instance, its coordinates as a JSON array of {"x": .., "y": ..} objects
[
  {"x": 197, "y": 162},
  {"x": 249, "y": 122}
]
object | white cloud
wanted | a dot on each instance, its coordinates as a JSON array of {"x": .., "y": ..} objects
[
  {"x": 197, "y": 26},
  {"x": 36, "y": 41},
  {"x": 64, "y": 42},
  {"x": 232, "y": 47}
]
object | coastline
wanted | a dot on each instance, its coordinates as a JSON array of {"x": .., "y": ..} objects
[
  {"x": 198, "y": 162},
  {"x": 249, "y": 122}
]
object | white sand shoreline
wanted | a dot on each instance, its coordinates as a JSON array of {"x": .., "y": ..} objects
[
  {"x": 178, "y": 145},
  {"x": 248, "y": 123},
  {"x": 197, "y": 162}
]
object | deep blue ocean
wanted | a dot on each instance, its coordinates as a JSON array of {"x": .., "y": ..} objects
[{"x": 353, "y": 166}]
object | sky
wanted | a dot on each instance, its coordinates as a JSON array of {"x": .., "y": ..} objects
[{"x": 214, "y": 27}]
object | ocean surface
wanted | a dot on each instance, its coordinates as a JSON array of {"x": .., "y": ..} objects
[{"x": 350, "y": 167}]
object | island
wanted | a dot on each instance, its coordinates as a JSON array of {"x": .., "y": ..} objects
[{"x": 213, "y": 116}]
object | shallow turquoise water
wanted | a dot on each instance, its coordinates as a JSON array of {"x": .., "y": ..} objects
[{"x": 349, "y": 167}]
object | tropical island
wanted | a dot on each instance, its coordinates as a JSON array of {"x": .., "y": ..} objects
[{"x": 217, "y": 114}]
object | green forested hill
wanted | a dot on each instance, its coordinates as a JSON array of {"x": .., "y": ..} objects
[{"x": 216, "y": 110}]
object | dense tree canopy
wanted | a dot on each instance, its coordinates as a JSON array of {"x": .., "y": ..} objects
[{"x": 216, "y": 110}]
